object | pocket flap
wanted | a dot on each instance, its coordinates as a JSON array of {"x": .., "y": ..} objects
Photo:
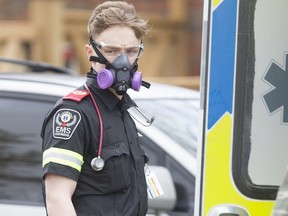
[{"x": 117, "y": 150}]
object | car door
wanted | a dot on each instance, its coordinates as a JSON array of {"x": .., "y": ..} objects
[{"x": 20, "y": 147}]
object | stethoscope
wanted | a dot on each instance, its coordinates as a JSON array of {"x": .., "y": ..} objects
[{"x": 97, "y": 163}]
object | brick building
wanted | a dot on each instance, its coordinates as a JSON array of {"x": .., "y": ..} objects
[{"x": 185, "y": 16}]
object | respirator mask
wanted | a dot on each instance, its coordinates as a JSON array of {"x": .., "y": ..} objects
[{"x": 119, "y": 73}]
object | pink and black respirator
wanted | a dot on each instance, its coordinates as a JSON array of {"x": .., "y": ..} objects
[{"x": 118, "y": 74}]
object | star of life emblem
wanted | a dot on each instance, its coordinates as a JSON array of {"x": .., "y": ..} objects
[{"x": 65, "y": 121}]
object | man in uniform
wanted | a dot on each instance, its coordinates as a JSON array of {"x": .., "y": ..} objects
[{"x": 93, "y": 162}]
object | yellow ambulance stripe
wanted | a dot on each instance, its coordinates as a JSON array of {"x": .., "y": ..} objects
[
  {"x": 63, "y": 157},
  {"x": 219, "y": 184},
  {"x": 216, "y": 3}
]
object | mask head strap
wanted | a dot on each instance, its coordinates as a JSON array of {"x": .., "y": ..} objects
[{"x": 100, "y": 58}]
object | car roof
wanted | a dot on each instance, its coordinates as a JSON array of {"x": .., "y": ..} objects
[{"x": 63, "y": 84}]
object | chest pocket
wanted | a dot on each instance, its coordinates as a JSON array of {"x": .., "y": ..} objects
[{"x": 115, "y": 175}]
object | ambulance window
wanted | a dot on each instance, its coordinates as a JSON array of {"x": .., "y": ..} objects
[
  {"x": 261, "y": 118},
  {"x": 20, "y": 147}
]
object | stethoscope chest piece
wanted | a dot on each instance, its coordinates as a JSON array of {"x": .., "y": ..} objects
[{"x": 97, "y": 163}]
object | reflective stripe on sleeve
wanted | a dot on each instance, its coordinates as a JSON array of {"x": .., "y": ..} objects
[{"x": 63, "y": 157}]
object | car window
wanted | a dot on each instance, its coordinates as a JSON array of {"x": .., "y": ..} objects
[
  {"x": 178, "y": 118},
  {"x": 20, "y": 147}
]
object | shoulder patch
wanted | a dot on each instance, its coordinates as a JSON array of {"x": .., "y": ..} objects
[
  {"x": 76, "y": 95},
  {"x": 65, "y": 122}
]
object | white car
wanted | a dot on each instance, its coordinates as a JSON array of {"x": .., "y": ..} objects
[{"x": 170, "y": 141}]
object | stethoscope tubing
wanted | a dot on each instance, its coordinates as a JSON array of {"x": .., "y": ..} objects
[{"x": 100, "y": 121}]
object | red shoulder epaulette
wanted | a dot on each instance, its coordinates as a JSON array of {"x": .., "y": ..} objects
[{"x": 76, "y": 95}]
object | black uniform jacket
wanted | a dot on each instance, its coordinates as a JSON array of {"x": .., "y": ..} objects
[{"x": 70, "y": 136}]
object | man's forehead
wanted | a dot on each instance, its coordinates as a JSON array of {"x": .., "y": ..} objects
[{"x": 120, "y": 35}]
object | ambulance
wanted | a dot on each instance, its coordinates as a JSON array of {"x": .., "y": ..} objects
[{"x": 243, "y": 144}]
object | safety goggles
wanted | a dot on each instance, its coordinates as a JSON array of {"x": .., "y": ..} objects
[{"x": 112, "y": 51}]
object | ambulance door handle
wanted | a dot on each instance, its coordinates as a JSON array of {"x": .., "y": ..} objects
[{"x": 228, "y": 210}]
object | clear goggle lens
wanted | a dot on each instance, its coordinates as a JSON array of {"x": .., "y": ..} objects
[{"x": 111, "y": 51}]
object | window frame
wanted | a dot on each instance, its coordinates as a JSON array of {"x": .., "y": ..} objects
[{"x": 245, "y": 71}]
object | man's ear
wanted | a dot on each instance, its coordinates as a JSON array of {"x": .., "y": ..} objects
[{"x": 88, "y": 50}]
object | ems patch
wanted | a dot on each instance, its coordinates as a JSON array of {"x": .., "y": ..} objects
[{"x": 65, "y": 121}]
